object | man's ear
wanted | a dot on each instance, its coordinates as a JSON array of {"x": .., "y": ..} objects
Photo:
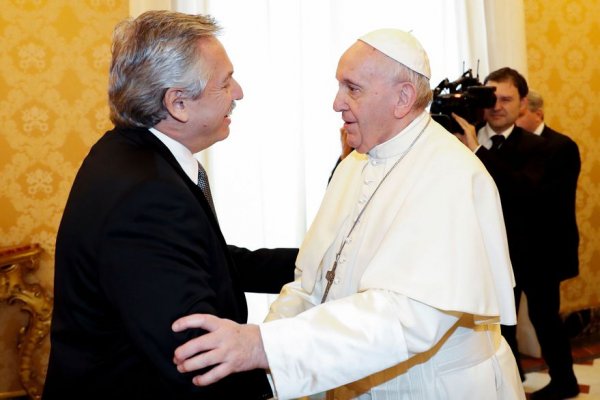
[
  {"x": 407, "y": 95},
  {"x": 175, "y": 103},
  {"x": 523, "y": 103},
  {"x": 540, "y": 113}
]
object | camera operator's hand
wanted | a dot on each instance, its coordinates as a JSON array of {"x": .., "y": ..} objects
[{"x": 469, "y": 138}]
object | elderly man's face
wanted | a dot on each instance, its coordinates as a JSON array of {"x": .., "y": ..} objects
[
  {"x": 210, "y": 114},
  {"x": 529, "y": 120},
  {"x": 366, "y": 96}
]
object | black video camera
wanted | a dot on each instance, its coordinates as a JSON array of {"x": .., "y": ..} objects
[{"x": 466, "y": 97}]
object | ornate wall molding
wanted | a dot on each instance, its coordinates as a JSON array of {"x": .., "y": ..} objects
[{"x": 16, "y": 266}]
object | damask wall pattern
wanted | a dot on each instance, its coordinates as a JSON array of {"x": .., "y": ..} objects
[
  {"x": 563, "y": 40},
  {"x": 54, "y": 59}
]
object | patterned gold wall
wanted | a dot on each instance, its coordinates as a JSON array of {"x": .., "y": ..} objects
[
  {"x": 54, "y": 57},
  {"x": 563, "y": 38}
]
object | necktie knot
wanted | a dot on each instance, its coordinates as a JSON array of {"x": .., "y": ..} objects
[
  {"x": 497, "y": 141},
  {"x": 205, "y": 187}
]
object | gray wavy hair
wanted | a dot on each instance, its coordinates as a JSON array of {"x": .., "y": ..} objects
[
  {"x": 421, "y": 83},
  {"x": 150, "y": 54},
  {"x": 535, "y": 101}
]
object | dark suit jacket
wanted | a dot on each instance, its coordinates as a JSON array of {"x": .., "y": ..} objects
[
  {"x": 518, "y": 170},
  {"x": 558, "y": 204},
  {"x": 137, "y": 248}
]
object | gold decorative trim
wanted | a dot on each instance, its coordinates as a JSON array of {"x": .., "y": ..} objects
[{"x": 15, "y": 264}]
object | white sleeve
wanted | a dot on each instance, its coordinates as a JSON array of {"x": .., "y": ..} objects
[
  {"x": 292, "y": 301},
  {"x": 319, "y": 349}
]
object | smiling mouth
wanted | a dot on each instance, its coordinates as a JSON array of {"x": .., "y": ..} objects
[{"x": 231, "y": 108}]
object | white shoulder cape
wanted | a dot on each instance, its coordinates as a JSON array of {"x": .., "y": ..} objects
[{"x": 436, "y": 232}]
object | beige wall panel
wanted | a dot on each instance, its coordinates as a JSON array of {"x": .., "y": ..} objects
[{"x": 563, "y": 41}]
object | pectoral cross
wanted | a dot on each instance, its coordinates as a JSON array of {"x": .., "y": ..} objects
[{"x": 330, "y": 276}]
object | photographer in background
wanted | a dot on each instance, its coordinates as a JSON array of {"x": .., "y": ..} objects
[{"x": 520, "y": 163}]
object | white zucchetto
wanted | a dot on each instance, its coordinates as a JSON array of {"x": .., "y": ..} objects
[{"x": 402, "y": 47}]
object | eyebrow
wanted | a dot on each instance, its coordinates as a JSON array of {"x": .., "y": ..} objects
[
  {"x": 348, "y": 82},
  {"x": 225, "y": 79}
]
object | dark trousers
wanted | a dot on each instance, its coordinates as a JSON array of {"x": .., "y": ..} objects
[{"x": 543, "y": 306}]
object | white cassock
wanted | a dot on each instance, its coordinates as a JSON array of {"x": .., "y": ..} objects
[{"x": 421, "y": 285}]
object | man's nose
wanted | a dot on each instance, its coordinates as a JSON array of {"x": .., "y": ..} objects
[{"x": 338, "y": 103}]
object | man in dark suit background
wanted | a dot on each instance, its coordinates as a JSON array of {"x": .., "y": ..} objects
[
  {"x": 139, "y": 245},
  {"x": 563, "y": 167},
  {"x": 524, "y": 167}
]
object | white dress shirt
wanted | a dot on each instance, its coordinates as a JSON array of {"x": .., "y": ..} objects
[
  {"x": 182, "y": 154},
  {"x": 486, "y": 132}
]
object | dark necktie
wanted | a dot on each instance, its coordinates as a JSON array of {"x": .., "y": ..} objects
[
  {"x": 204, "y": 186},
  {"x": 497, "y": 141}
]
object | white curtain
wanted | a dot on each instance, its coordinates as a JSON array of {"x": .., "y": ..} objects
[{"x": 269, "y": 176}]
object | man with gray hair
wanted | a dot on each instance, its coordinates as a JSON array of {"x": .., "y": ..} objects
[
  {"x": 558, "y": 235},
  {"x": 139, "y": 244},
  {"x": 532, "y": 117},
  {"x": 404, "y": 275}
]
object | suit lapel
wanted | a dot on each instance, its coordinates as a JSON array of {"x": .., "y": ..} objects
[
  {"x": 145, "y": 137},
  {"x": 512, "y": 140}
]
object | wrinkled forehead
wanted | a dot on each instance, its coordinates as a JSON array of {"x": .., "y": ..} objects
[
  {"x": 214, "y": 58},
  {"x": 361, "y": 59}
]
